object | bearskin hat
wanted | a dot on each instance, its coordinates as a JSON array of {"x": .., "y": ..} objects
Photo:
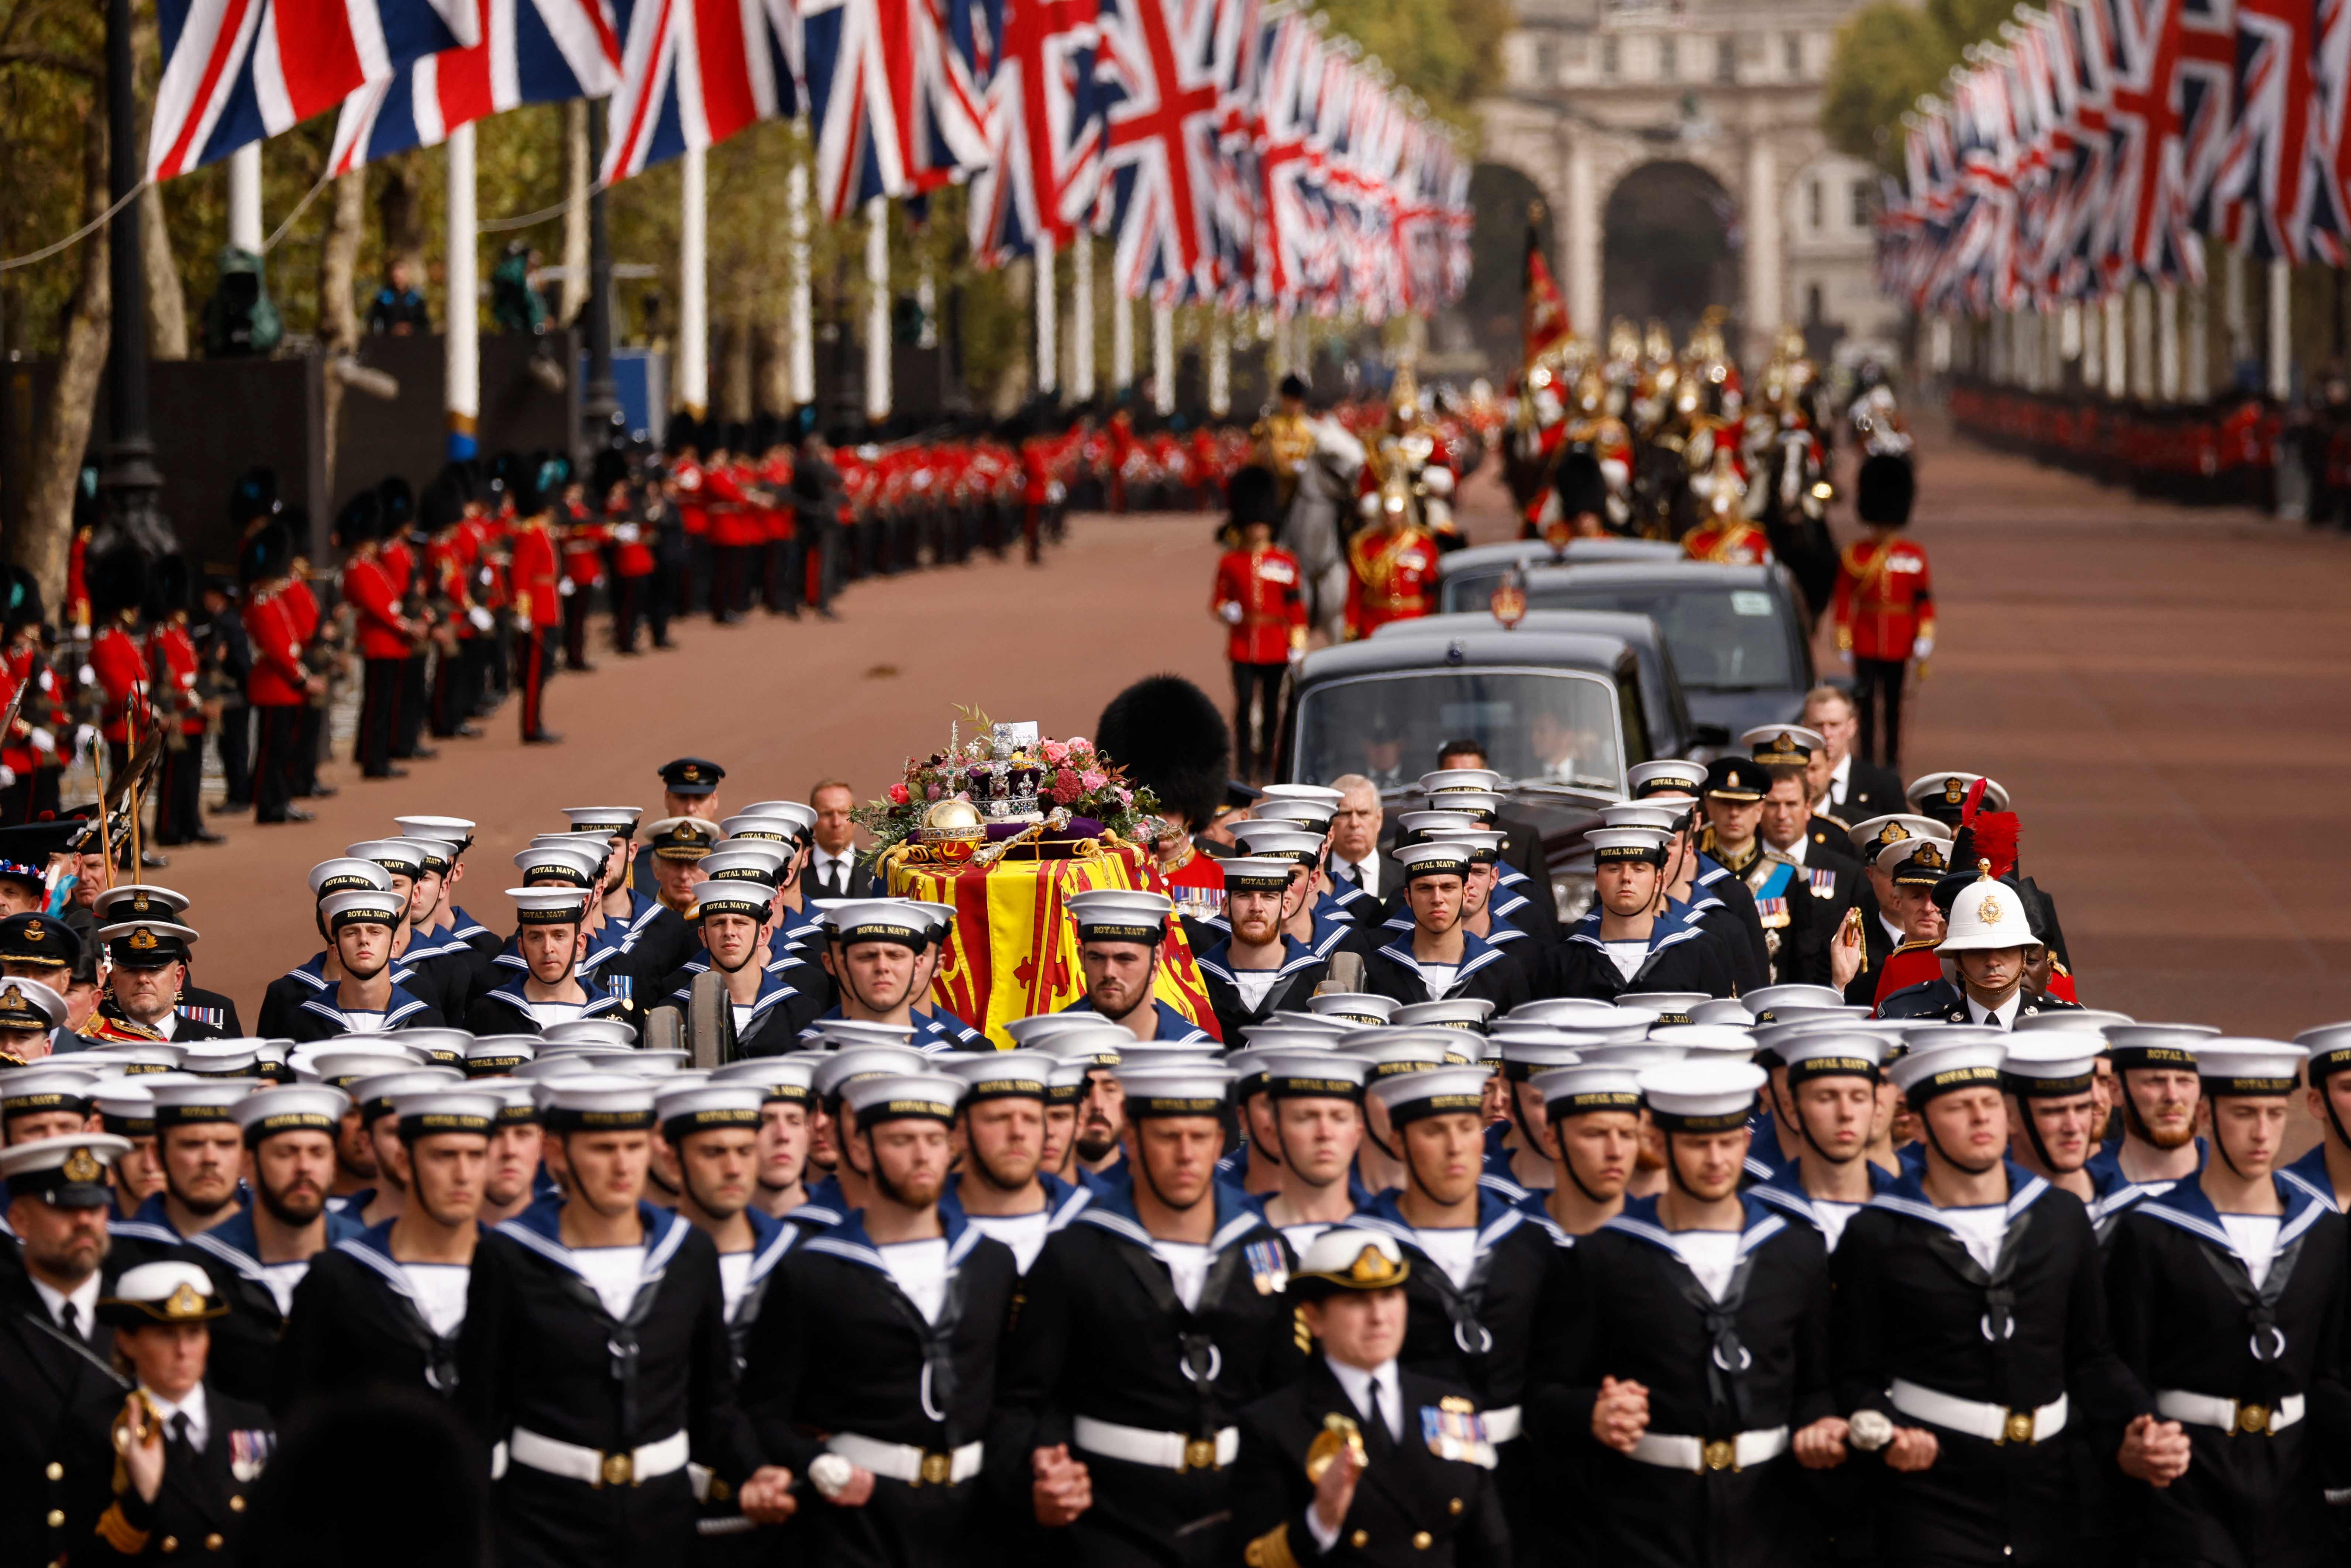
[
  {"x": 360, "y": 521},
  {"x": 168, "y": 586},
  {"x": 1884, "y": 490},
  {"x": 254, "y": 494},
  {"x": 398, "y": 501},
  {"x": 1171, "y": 736},
  {"x": 1581, "y": 487},
  {"x": 1253, "y": 497}
]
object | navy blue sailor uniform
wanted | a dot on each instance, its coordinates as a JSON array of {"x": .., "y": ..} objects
[
  {"x": 933, "y": 1032},
  {"x": 723, "y": 1537},
  {"x": 246, "y": 1340},
  {"x": 592, "y": 1414},
  {"x": 1107, "y": 1357},
  {"x": 1173, "y": 1027},
  {"x": 1485, "y": 971},
  {"x": 447, "y": 967},
  {"x": 318, "y": 1016},
  {"x": 1738, "y": 920},
  {"x": 359, "y": 1323},
  {"x": 1293, "y": 979},
  {"x": 767, "y": 1029},
  {"x": 1733, "y": 1365},
  {"x": 504, "y": 1010},
  {"x": 1680, "y": 956}
]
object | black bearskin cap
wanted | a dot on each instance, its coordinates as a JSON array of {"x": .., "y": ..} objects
[{"x": 1170, "y": 736}]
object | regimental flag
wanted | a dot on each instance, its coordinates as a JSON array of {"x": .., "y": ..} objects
[
  {"x": 1156, "y": 74},
  {"x": 1543, "y": 324},
  {"x": 696, "y": 72},
  {"x": 896, "y": 90},
  {"x": 532, "y": 51},
  {"x": 1043, "y": 133},
  {"x": 238, "y": 71}
]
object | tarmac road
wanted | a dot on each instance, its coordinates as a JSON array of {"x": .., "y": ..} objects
[{"x": 2165, "y": 692}]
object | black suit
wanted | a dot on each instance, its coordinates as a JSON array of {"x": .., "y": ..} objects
[
  {"x": 860, "y": 880},
  {"x": 1869, "y": 792},
  {"x": 1411, "y": 1506},
  {"x": 54, "y": 1462}
]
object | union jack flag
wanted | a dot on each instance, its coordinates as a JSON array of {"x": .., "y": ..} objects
[
  {"x": 1157, "y": 73},
  {"x": 2330, "y": 136},
  {"x": 897, "y": 93},
  {"x": 238, "y": 71},
  {"x": 696, "y": 72},
  {"x": 1045, "y": 152},
  {"x": 532, "y": 51},
  {"x": 2263, "y": 187}
]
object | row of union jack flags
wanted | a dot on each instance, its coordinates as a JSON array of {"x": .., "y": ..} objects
[
  {"x": 1233, "y": 152},
  {"x": 2103, "y": 142}
]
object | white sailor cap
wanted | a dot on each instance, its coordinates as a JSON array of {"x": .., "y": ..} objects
[
  {"x": 549, "y": 905},
  {"x": 1702, "y": 1096},
  {"x": 1575, "y": 1090},
  {"x": 2329, "y": 1049},
  {"x": 565, "y": 864},
  {"x": 1032, "y": 1029},
  {"x": 454, "y": 831},
  {"x": 1440, "y": 780},
  {"x": 1314, "y": 814},
  {"x": 1255, "y": 874},
  {"x": 799, "y": 813},
  {"x": 291, "y": 1108},
  {"x": 1316, "y": 1074},
  {"x": 897, "y": 1097},
  {"x": 374, "y": 1096},
  {"x": 1367, "y": 1007},
  {"x": 1765, "y": 1001},
  {"x": 1666, "y": 775},
  {"x": 1285, "y": 842},
  {"x": 2050, "y": 1065},
  {"x": 1276, "y": 1036},
  {"x": 780, "y": 1078},
  {"x": 1724, "y": 1009},
  {"x": 596, "y": 1103},
  {"x": 348, "y": 873},
  {"x": 751, "y": 899},
  {"x": 498, "y": 1055},
  {"x": 427, "y": 1111},
  {"x": 400, "y": 857},
  {"x": 1198, "y": 1089},
  {"x": 49, "y": 1085},
  {"x": 221, "y": 1058},
  {"x": 750, "y": 830},
  {"x": 850, "y": 921},
  {"x": 1527, "y": 1050},
  {"x": 2171, "y": 1046},
  {"x": 1393, "y": 1050},
  {"x": 66, "y": 1171},
  {"x": 363, "y": 907},
  {"x": 611, "y": 821},
  {"x": 1006, "y": 1074},
  {"x": 2079, "y": 1020},
  {"x": 1783, "y": 744},
  {"x": 1321, "y": 794},
  {"x": 1672, "y": 1007},
  {"x": 1434, "y": 858},
  {"x": 185, "y": 1099},
  {"x": 1570, "y": 1012},
  {"x": 2234, "y": 1065},
  {"x": 433, "y": 855},
  {"x": 835, "y": 1034},
  {"x": 1708, "y": 1042},
  {"x": 1120, "y": 914},
  {"x": 1450, "y": 1012},
  {"x": 1923, "y": 1073},
  {"x": 1666, "y": 816},
  {"x": 1314, "y": 1023},
  {"x": 1100, "y": 1044},
  {"x": 747, "y": 860},
  {"x": 1834, "y": 1054},
  {"x": 558, "y": 1065},
  {"x": 591, "y": 1031},
  {"x": 1872, "y": 837},
  {"x": 125, "y": 1107},
  {"x": 28, "y": 1005},
  {"x": 342, "y": 1062},
  {"x": 1479, "y": 805},
  {"x": 850, "y": 1064},
  {"x": 1433, "y": 822},
  {"x": 1068, "y": 1083},
  {"x": 1433, "y": 1091},
  {"x": 1628, "y": 844},
  {"x": 685, "y": 1108}
]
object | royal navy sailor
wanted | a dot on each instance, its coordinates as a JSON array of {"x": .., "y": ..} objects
[
  {"x": 1438, "y": 959},
  {"x": 551, "y": 988},
  {"x": 1119, "y": 935},
  {"x": 1260, "y": 967},
  {"x": 1832, "y": 1098},
  {"x": 1634, "y": 938},
  {"x": 2326, "y": 1170},
  {"x": 369, "y": 999},
  {"x": 1002, "y": 1186}
]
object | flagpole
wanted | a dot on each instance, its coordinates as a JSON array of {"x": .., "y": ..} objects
[
  {"x": 2280, "y": 313},
  {"x": 461, "y": 341},
  {"x": 2115, "y": 364},
  {"x": 1163, "y": 359},
  {"x": 877, "y": 308},
  {"x": 601, "y": 402},
  {"x": 1082, "y": 317},
  {"x": 2167, "y": 342},
  {"x": 694, "y": 282},
  {"x": 1046, "y": 296},
  {"x": 1121, "y": 341},
  {"x": 1221, "y": 370},
  {"x": 245, "y": 198},
  {"x": 796, "y": 207}
]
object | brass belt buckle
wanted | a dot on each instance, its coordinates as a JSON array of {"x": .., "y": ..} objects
[
  {"x": 618, "y": 1470},
  {"x": 935, "y": 1470},
  {"x": 2253, "y": 1420},
  {"x": 2018, "y": 1428},
  {"x": 1200, "y": 1454},
  {"x": 1721, "y": 1454}
]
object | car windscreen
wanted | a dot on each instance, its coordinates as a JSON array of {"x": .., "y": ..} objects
[
  {"x": 1554, "y": 726},
  {"x": 1722, "y": 638}
]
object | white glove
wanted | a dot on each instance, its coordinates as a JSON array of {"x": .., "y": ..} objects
[
  {"x": 1924, "y": 648},
  {"x": 1231, "y": 612},
  {"x": 7, "y": 775},
  {"x": 89, "y": 676},
  {"x": 563, "y": 588},
  {"x": 1297, "y": 655},
  {"x": 85, "y": 737},
  {"x": 828, "y": 1473},
  {"x": 44, "y": 741},
  {"x": 1436, "y": 480},
  {"x": 626, "y": 533},
  {"x": 481, "y": 619}
]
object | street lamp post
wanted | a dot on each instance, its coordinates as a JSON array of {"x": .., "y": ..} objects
[
  {"x": 129, "y": 481},
  {"x": 602, "y": 401}
]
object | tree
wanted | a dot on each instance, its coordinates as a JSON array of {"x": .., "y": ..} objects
[{"x": 1887, "y": 56}]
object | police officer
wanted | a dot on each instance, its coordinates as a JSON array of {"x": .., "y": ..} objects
[
  {"x": 1364, "y": 1459},
  {"x": 1119, "y": 937},
  {"x": 1438, "y": 959},
  {"x": 54, "y": 1350},
  {"x": 2224, "y": 1293},
  {"x": 381, "y": 1307},
  {"x": 1693, "y": 1348},
  {"x": 1970, "y": 1340},
  {"x": 600, "y": 1396},
  {"x": 189, "y": 1453},
  {"x": 1148, "y": 1323},
  {"x": 882, "y": 1336}
]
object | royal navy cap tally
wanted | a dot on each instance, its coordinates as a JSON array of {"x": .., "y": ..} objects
[
  {"x": 443, "y": 1047},
  {"x": 1435, "y": 822},
  {"x": 49, "y": 1085},
  {"x": 400, "y": 857},
  {"x": 1527, "y": 1050},
  {"x": 1479, "y": 806},
  {"x": 596, "y": 1103},
  {"x": 750, "y": 899},
  {"x": 1644, "y": 845},
  {"x": 1096, "y": 1044},
  {"x": 348, "y": 873},
  {"x": 799, "y": 813},
  {"x": 688, "y": 1108},
  {"x": 135, "y": 1058},
  {"x": 499, "y": 1055},
  {"x": 125, "y": 1107},
  {"x": 1255, "y": 874},
  {"x": 2049, "y": 1066},
  {"x": 565, "y": 865},
  {"x": 691, "y": 776},
  {"x": 1435, "y": 1091},
  {"x": 1068, "y": 1083},
  {"x": 1120, "y": 914},
  {"x": 2171, "y": 1046},
  {"x": 433, "y": 855},
  {"x": 747, "y": 860},
  {"x": 1392, "y": 1049},
  {"x": 222, "y": 1057},
  {"x": 850, "y": 921},
  {"x": 2328, "y": 1047},
  {"x": 1666, "y": 776},
  {"x": 364, "y": 907},
  {"x": 1925, "y": 1071},
  {"x": 1674, "y": 1007},
  {"x": 28, "y": 1005},
  {"x": 1006, "y": 1074},
  {"x": 1834, "y": 1054},
  {"x": 1783, "y": 744},
  {"x": 1765, "y": 1001},
  {"x": 1155, "y": 1090},
  {"x": 1442, "y": 780},
  {"x": 901, "y": 1096},
  {"x": 185, "y": 1099},
  {"x": 1289, "y": 1073},
  {"x": 611, "y": 821},
  {"x": 1367, "y": 1007},
  {"x": 1667, "y": 816},
  {"x": 1432, "y": 858},
  {"x": 1715, "y": 1096},
  {"x": 549, "y": 905},
  {"x": 780, "y": 1079},
  {"x": 454, "y": 831},
  {"x": 291, "y": 1108},
  {"x": 1285, "y": 842},
  {"x": 67, "y": 1171},
  {"x": 427, "y": 1112},
  {"x": 374, "y": 1094},
  {"x": 2241, "y": 1067}
]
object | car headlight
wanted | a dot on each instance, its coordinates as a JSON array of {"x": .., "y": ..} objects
[{"x": 1571, "y": 893}]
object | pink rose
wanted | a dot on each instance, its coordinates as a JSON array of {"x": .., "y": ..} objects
[
  {"x": 1094, "y": 780},
  {"x": 899, "y": 794},
  {"x": 1126, "y": 798},
  {"x": 930, "y": 793},
  {"x": 1054, "y": 752},
  {"x": 1066, "y": 788},
  {"x": 1080, "y": 746}
]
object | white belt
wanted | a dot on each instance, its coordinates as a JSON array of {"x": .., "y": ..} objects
[
  {"x": 1992, "y": 1423},
  {"x": 904, "y": 1461},
  {"x": 1698, "y": 1455},
  {"x": 573, "y": 1462},
  {"x": 2229, "y": 1414},
  {"x": 1175, "y": 1451},
  {"x": 1502, "y": 1425}
]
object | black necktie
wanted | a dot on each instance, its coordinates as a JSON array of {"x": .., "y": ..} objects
[
  {"x": 70, "y": 1319},
  {"x": 1353, "y": 875},
  {"x": 1377, "y": 1443},
  {"x": 837, "y": 879},
  {"x": 179, "y": 1427}
]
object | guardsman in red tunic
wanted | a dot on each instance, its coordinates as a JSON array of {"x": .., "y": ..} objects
[
  {"x": 280, "y": 687},
  {"x": 1392, "y": 564},
  {"x": 779, "y": 574},
  {"x": 118, "y": 653},
  {"x": 179, "y": 707},
  {"x": 30, "y": 767},
  {"x": 382, "y": 631},
  {"x": 538, "y": 606},
  {"x": 633, "y": 547},
  {"x": 448, "y": 565},
  {"x": 685, "y": 493},
  {"x": 400, "y": 563},
  {"x": 1884, "y": 604},
  {"x": 302, "y": 607},
  {"x": 1259, "y": 595},
  {"x": 585, "y": 534}
]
